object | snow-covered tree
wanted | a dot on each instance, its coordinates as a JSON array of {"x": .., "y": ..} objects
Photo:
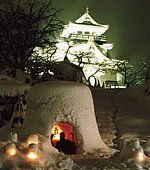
[{"x": 24, "y": 26}]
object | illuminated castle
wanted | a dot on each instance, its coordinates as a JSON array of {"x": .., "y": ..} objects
[{"x": 84, "y": 44}]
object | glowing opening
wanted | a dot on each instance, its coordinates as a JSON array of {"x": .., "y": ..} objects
[
  {"x": 32, "y": 139},
  {"x": 11, "y": 150},
  {"x": 63, "y": 138},
  {"x": 56, "y": 130},
  {"x": 32, "y": 155},
  {"x": 141, "y": 157}
]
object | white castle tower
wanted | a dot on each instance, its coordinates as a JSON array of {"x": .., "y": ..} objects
[{"x": 84, "y": 43}]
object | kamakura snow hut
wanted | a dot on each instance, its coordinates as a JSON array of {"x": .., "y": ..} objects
[{"x": 56, "y": 106}]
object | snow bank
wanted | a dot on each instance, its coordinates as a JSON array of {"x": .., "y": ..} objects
[
  {"x": 58, "y": 101},
  {"x": 133, "y": 155},
  {"x": 11, "y": 87}
]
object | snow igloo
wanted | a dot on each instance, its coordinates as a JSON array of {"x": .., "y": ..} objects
[{"x": 60, "y": 106}]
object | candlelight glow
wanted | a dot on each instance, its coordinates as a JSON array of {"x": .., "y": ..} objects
[
  {"x": 141, "y": 157},
  {"x": 11, "y": 150},
  {"x": 56, "y": 130},
  {"x": 33, "y": 139},
  {"x": 32, "y": 155},
  {"x": 56, "y": 137}
]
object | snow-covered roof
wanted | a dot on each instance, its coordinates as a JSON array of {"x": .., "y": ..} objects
[
  {"x": 107, "y": 46},
  {"x": 86, "y": 18},
  {"x": 73, "y": 28},
  {"x": 90, "y": 47},
  {"x": 84, "y": 24}
]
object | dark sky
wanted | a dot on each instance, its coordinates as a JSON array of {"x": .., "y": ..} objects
[{"x": 129, "y": 22}]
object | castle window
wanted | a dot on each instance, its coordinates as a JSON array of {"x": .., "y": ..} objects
[
  {"x": 79, "y": 32},
  {"x": 86, "y": 32}
]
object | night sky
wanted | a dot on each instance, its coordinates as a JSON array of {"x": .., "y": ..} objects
[{"x": 129, "y": 22}]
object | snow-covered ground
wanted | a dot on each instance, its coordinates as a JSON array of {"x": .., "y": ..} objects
[
  {"x": 129, "y": 110},
  {"x": 129, "y": 107}
]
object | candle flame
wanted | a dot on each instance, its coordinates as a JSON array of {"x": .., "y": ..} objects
[
  {"x": 32, "y": 155},
  {"x": 11, "y": 150},
  {"x": 32, "y": 139},
  {"x": 56, "y": 137},
  {"x": 56, "y": 131},
  {"x": 141, "y": 157}
]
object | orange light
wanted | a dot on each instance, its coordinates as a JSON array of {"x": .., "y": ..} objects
[
  {"x": 56, "y": 130},
  {"x": 141, "y": 157},
  {"x": 11, "y": 150},
  {"x": 56, "y": 137},
  {"x": 32, "y": 139},
  {"x": 32, "y": 155}
]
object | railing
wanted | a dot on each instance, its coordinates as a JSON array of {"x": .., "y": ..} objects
[{"x": 87, "y": 37}]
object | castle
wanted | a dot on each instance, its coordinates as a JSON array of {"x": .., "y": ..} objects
[{"x": 84, "y": 44}]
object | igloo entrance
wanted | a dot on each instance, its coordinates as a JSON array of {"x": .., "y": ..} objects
[{"x": 63, "y": 138}]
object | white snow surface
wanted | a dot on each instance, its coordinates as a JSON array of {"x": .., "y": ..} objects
[
  {"x": 48, "y": 157},
  {"x": 131, "y": 108},
  {"x": 52, "y": 102}
]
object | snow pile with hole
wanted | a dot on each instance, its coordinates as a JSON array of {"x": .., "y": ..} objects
[
  {"x": 52, "y": 102},
  {"x": 54, "y": 160}
]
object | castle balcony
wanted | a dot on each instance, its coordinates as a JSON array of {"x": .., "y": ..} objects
[{"x": 87, "y": 37}]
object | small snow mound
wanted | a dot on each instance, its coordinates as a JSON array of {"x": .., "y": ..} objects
[
  {"x": 65, "y": 164},
  {"x": 35, "y": 156},
  {"x": 132, "y": 154}
]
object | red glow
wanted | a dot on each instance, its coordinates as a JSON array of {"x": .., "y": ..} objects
[{"x": 68, "y": 131}]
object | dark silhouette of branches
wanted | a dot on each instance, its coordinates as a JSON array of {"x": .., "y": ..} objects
[
  {"x": 25, "y": 26},
  {"x": 41, "y": 61},
  {"x": 132, "y": 70}
]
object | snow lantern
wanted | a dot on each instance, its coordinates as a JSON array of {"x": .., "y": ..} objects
[
  {"x": 32, "y": 139},
  {"x": 11, "y": 149},
  {"x": 56, "y": 107}
]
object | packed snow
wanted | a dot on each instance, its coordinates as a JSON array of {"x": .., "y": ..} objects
[
  {"x": 61, "y": 101},
  {"x": 130, "y": 111}
]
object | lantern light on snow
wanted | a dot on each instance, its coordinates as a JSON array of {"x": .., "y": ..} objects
[
  {"x": 141, "y": 157},
  {"x": 32, "y": 139},
  {"x": 11, "y": 150},
  {"x": 32, "y": 153}
]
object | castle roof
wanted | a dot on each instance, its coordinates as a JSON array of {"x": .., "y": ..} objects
[
  {"x": 72, "y": 28},
  {"x": 88, "y": 20},
  {"x": 85, "y": 24}
]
